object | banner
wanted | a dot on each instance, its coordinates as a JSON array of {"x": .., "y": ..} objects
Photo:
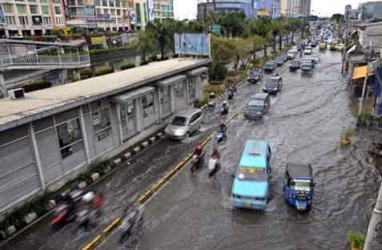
[
  {"x": 100, "y": 40},
  {"x": 192, "y": 44},
  {"x": 132, "y": 16},
  {"x": 151, "y": 10}
]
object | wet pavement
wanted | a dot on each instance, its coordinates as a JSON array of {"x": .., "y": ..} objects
[
  {"x": 304, "y": 125},
  {"x": 124, "y": 186}
]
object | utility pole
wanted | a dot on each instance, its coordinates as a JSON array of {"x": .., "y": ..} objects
[{"x": 375, "y": 224}]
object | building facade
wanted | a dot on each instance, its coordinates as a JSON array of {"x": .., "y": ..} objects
[
  {"x": 51, "y": 135},
  {"x": 204, "y": 9},
  {"x": 270, "y": 8},
  {"x": 163, "y": 9},
  {"x": 235, "y": 5},
  {"x": 295, "y": 8},
  {"x": 371, "y": 10},
  {"x": 142, "y": 13},
  {"x": 108, "y": 15},
  {"x": 26, "y": 18}
]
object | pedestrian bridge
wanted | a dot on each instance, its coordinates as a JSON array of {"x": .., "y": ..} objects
[{"x": 21, "y": 54}]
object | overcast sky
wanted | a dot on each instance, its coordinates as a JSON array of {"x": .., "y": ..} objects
[{"x": 186, "y": 9}]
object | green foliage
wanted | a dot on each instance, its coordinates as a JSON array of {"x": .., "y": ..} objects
[
  {"x": 217, "y": 71},
  {"x": 128, "y": 66},
  {"x": 339, "y": 18},
  {"x": 355, "y": 239},
  {"x": 103, "y": 72},
  {"x": 43, "y": 84},
  {"x": 153, "y": 58}
]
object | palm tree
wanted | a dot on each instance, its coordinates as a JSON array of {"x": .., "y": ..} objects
[
  {"x": 161, "y": 33},
  {"x": 274, "y": 32},
  {"x": 146, "y": 42}
]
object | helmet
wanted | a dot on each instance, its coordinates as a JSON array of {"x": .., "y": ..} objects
[
  {"x": 212, "y": 93},
  {"x": 224, "y": 102}
]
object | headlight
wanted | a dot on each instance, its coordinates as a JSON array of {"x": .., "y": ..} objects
[
  {"x": 179, "y": 132},
  {"x": 275, "y": 88}
]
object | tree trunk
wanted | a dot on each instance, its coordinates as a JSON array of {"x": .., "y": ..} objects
[
  {"x": 281, "y": 43},
  {"x": 143, "y": 55},
  {"x": 265, "y": 50}
]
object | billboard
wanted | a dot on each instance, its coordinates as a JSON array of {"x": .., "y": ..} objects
[
  {"x": 151, "y": 9},
  {"x": 197, "y": 44},
  {"x": 2, "y": 19},
  {"x": 132, "y": 16}
]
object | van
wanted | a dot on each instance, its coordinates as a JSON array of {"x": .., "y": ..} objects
[
  {"x": 184, "y": 123},
  {"x": 257, "y": 106},
  {"x": 250, "y": 187}
]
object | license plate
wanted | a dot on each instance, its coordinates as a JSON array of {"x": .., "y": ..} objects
[{"x": 247, "y": 204}]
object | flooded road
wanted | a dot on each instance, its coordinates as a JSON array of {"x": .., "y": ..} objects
[{"x": 304, "y": 125}]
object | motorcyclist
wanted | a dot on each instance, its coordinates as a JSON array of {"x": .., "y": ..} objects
[
  {"x": 225, "y": 108},
  {"x": 198, "y": 156},
  {"x": 212, "y": 96},
  {"x": 223, "y": 129},
  {"x": 230, "y": 93},
  {"x": 214, "y": 163}
]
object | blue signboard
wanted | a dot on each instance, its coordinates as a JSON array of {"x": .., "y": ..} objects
[
  {"x": 192, "y": 44},
  {"x": 132, "y": 16},
  {"x": 2, "y": 20}
]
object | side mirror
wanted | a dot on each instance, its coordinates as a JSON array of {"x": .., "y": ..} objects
[{"x": 233, "y": 175}]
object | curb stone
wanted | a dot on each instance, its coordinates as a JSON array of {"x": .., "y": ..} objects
[
  {"x": 137, "y": 150},
  {"x": 127, "y": 155},
  {"x": 117, "y": 161},
  {"x": 145, "y": 144}
]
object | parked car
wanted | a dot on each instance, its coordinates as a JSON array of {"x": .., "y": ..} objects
[
  {"x": 313, "y": 44},
  {"x": 257, "y": 106},
  {"x": 294, "y": 65},
  {"x": 279, "y": 61},
  {"x": 339, "y": 47},
  {"x": 273, "y": 85},
  {"x": 270, "y": 66},
  {"x": 184, "y": 123},
  {"x": 255, "y": 75}
]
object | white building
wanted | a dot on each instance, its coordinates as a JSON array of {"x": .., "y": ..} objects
[
  {"x": 34, "y": 17},
  {"x": 293, "y": 8}
]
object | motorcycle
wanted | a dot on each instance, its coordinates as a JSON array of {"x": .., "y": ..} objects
[
  {"x": 197, "y": 162},
  {"x": 230, "y": 95},
  {"x": 221, "y": 136},
  {"x": 213, "y": 167},
  {"x": 64, "y": 214},
  {"x": 224, "y": 111}
]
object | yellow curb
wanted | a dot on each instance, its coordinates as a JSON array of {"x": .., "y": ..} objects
[
  {"x": 112, "y": 225},
  {"x": 92, "y": 244}
]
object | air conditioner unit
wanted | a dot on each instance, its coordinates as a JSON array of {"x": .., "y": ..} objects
[{"x": 16, "y": 93}]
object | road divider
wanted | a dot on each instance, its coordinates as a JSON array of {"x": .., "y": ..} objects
[{"x": 142, "y": 199}]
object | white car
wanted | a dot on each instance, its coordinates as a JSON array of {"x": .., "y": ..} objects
[
  {"x": 308, "y": 51},
  {"x": 291, "y": 54}
]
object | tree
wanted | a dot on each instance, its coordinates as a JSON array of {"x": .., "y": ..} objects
[
  {"x": 274, "y": 32},
  {"x": 161, "y": 34},
  {"x": 258, "y": 43},
  {"x": 243, "y": 51},
  {"x": 223, "y": 51},
  {"x": 146, "y": 42},
  {"x": 339, "y": 18},
  {"x": 260, "y": 28}
]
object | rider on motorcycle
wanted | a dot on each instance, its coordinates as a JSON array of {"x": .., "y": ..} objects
[
  {"x": 212, "y": 96},
  {"x": 223, "y": 129},
  {"x": 225, "y": 108},
  {"x": 199, "y": 150}
]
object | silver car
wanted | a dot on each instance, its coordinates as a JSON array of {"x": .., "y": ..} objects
[{"x": 184, "y": 123}]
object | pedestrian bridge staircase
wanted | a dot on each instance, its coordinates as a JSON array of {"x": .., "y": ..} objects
[{"x": 21, "y": 54}]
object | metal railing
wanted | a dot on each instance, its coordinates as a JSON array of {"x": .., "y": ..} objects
[{"x": 35, "y": 55}]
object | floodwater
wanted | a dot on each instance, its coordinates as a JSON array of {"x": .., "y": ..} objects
[
  {"x": 304, "y": 125},
  {"x": 193, "y": 212}
]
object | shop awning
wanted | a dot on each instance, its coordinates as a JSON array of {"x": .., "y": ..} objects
[{"x": 360, "y": 72}]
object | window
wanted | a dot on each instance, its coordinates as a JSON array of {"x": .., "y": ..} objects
[
  {"x": 179, "y": 89},
  {"x": 97, "y": 2},
  {"x": 56, "y": 1},
  {"x": 138, "y": 11},
  {"x": 20, "y": 8},
  {"x": 43, "y": 1},
  {"x": 23, "y": 20},
  {"x": 192, "y": 89},
  {"x": 101, "y": 122},
  {"x": 148, "y": 105},
  {"x": 33, "y": 9},
  {"x": 111, "y": 3},
  {"x": 7, "y": 8},
  {"x": 57, "y": 10},
  {"x": 47, "y": 20},
  {"x": 69, "y": 137},
  {"x": 10, "y": 20},
  {"x": 31, "y": 1},
  {"x": 59, "y": 20},
  {"x": 45, "y": 10}
]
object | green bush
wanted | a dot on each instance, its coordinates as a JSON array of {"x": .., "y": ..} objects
[
  {"x": 153, "y": 58},
  {"x": 127, "y": 66},
  {"x": 37, "y": 85},
  {"x": 355, "y": 239},
  {"x": 217, "y": 71},
  {"x": 103, "y": 72}
]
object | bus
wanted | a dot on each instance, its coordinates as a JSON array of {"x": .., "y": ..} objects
[{"x": 250, "y": 187}]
